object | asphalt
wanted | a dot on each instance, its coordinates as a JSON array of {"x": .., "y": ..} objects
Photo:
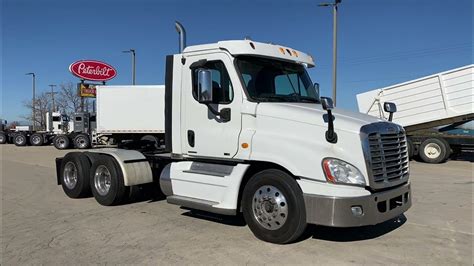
[{"x": 40, "y": 225}]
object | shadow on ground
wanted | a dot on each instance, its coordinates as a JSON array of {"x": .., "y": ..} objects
[
  {"x": 351, "y": 234},
  {"x": 326, "y": 233}
]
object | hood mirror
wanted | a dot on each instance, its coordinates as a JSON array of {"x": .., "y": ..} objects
[
  {"x": 328, "y": 105},
  {"x": 390, "y": 108}
]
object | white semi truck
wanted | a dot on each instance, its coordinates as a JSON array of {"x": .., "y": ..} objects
[
  {"x": 56, "y": 123},
  {"x": 246, "y": 132},
  {"x": 424, "y": 106}
]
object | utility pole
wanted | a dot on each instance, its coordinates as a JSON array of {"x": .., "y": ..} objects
[
  {"x": 52, "y": 96},
  {"x": 132, "y": 51},
  {"x": 33, "y": 101},
  {"x": 334, "y": 46}
]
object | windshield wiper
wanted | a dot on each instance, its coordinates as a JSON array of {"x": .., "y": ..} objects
[
  {"x": 308, "y": 99},
  {"x": 274, "y": 97}
]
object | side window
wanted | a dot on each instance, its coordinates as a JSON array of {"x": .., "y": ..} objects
[
  {"x": 56, "y": 119},
  {"x": 221, "y": 84},
  {"x": 289, "y": 84}
]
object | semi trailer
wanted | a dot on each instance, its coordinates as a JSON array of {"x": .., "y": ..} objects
[
  {"x": 56, "y": 123},
  {"x": 245, "y": 131},
  {"x": 121, "y": 118},
  {"x": 429, "y": 108}
]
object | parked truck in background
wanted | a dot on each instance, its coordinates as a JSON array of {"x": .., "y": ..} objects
[
  {"x": 246, "y": 132},
  {"x": 122, "y": 118},
  {"x": 430, "y": 109},
  {"x": 56, "y": 123}
]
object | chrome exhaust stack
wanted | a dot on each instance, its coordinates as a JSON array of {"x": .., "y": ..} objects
[{"x": 182, "y": 36}]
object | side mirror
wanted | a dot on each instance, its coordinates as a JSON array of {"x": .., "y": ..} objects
[
  {"x": 316, "y": 89},
  {"x": 327, "y": 103},
  {"x": 390, "y": 108},
  {"x": 204, "y": 81}
]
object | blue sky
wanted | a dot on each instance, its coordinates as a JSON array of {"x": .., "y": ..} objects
[{"x": 380, "y": 42}]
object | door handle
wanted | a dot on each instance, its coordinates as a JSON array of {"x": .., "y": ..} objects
[{"x": 191, "y": 138}]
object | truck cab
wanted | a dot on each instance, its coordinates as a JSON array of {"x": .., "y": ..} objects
[{"x": 246, "y": 131}]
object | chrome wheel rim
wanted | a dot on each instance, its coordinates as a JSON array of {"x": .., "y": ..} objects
[
  {"x": 81, "y": 142},
  {"x": 70, "y": 175},
  {"x": 20, "y": 139},
  {"x": 270, "y": 207},
  {"x": 61, "y": 143},
  {"x": 432, "y": 150},
  {"x": 35, "y": 139},
  {"x": 2, "y": 138},
  {"x": 102, "y": 180}
]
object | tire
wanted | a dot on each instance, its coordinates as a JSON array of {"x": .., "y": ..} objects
[
  {"x": 411, "y": 149},
  {"x": 37, "y": 139},
  {"x": 61, "y": 142},
  {"x": 434, "y": 150},
  {"x": 273, "y": 194},
  {"x": 3, "y": 138},
  {"x": 82, "y": 141},
  {"x": 19, "y": 140},
  {"x": 74, "y": 175},
  {"x": 106, "y": 179}
]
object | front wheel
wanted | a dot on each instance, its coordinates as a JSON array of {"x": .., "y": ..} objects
[{"x": 273, "y": 207}]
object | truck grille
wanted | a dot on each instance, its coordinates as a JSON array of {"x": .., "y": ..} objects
[{"x": 385, "y": 149}]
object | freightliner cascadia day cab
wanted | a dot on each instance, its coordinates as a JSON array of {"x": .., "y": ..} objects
[{"x": 246, "y": 132}]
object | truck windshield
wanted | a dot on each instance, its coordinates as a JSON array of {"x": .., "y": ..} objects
[{"x": 269, "y": 80}]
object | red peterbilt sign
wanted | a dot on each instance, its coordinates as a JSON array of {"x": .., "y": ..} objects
[{"x": 92, "y": 70}]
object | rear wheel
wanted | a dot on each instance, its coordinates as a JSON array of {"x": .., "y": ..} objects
[
  {"x": 106, "y": 179},
  {"x": 3, "y": 138},
  {"x": 36, "y": 139},
  {"x": 61, "y": 142},
  {"x": 74, "y": 175},
  {"x": 434, "y": 150},
  {"x": 273, "y": 207},
  {"x": 19, "y": 140},
  {"x": 82, "y": 141}
]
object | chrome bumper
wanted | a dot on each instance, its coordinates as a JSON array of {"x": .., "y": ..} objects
[{"x": 376, "y": 208}]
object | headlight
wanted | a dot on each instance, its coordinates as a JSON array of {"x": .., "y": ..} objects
[{"x": 338, "y": 171}]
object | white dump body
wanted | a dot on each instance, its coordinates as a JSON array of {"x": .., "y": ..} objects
[
  {"x": 440, "y": 96},
  {"x": 130, "y": 109}
]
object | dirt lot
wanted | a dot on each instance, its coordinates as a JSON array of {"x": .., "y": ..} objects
[{"x": 40, "y": 225}]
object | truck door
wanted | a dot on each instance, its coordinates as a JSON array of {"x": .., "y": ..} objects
[{"x": 204, "y": 133}]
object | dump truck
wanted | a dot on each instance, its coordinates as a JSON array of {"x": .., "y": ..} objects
[
  {"x": 246, "y": 132},
  {"x": 429, "y": 108}
]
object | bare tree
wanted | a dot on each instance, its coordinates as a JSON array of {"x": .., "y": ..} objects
[
  {"x": 67, "y": 102},
  {"x": 42, "y": 106}
]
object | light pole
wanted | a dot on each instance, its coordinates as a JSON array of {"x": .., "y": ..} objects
[
  {"x": 52, "y": 96},
  {"x": 132, "y": 51},
  {"x": 33, "y": 101},
  {"x": 334, "y": 46}
]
